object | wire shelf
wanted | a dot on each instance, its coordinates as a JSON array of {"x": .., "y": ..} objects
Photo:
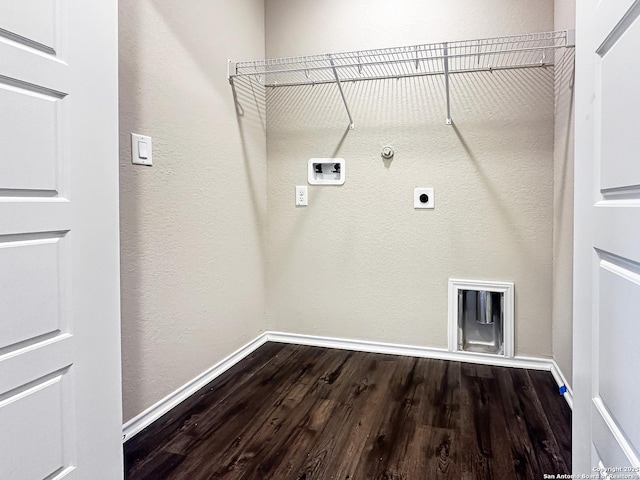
[
  {"x": 496, "y": 53},
  {"x": 514, "y": 51}
]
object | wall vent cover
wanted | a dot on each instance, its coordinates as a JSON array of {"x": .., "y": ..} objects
[{"x": 481, "y": 317}]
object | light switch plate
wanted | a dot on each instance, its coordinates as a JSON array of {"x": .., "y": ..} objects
[{"x": 141, "y": 147}]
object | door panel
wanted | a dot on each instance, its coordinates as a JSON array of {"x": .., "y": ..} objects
[
  {"x": 47, "y": 441},
  {"x": 33, "y": 22},
  {"x": 60, "y": 414},
  {"x": 25, "y": 364},
  {"x": 619, "y": 330},
  {"x": 608, "y": 15},
  {"x": 608, "y": 453},
  {"x": 36, "y": 345},
  {"x": 620, "y": 106},
  {"x": 30, "y": 141},
  {"x": 17, "y": 66},
  {"x": 17, "y": 217},
  {"x": 607, "y": 237},
  {"x": 33, "y": 283},
  {"x": 616, "y": 214}
]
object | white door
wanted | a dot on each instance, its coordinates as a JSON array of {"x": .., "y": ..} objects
[
  {"x": 60, "y": 414},
  {"x": 606, "y": 419}
]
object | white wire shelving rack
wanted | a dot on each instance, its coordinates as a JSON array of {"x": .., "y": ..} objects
[{"x": 444, "y": 58}]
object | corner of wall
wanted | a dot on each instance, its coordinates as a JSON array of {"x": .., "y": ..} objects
[
  {"x": 564, "y": 18},
  {"x": 193, "y": 226}
]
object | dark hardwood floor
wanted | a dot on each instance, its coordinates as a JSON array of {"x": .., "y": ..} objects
[{"x": 303, "y": 413}]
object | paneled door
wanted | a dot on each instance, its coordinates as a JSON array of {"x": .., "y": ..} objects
[
  {"x": 606, "y": 420},
  {"x": 60, "y": 406}
]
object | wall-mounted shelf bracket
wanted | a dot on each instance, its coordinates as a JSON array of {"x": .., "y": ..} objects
[
  {"x": 344, "y": 99},
  {"x": 445, "y": 59}
]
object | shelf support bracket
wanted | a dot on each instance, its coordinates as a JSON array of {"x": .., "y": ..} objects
[
  {"x": 445, "y": 59},
  {"x": 344, "y": 99},
  {"x": 229, "y": 78}
]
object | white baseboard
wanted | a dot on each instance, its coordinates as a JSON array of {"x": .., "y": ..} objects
[
  {"x": 151, "y": 414},
  {"x": 410, "y": 350},
  {"x": 561, "y": 380},
  {"x": 533, "y": 363}
]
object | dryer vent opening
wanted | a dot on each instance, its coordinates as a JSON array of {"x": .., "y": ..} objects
[{"x": 481, "y": 321}]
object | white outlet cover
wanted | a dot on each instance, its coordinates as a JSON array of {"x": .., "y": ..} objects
[
  {"x": 302, "y": 196},
  {"x": 417, "y": 197}
]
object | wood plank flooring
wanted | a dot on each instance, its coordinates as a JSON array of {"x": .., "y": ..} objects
[{"x": 303, "y": 413}]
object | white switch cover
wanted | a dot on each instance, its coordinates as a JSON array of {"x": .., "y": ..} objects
[
  {"x": 302, "y": 195},
  {"x": 424, "y": 197},
  {"x": 141, "y": 150}
]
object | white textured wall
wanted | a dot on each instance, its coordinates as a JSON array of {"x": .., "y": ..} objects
[
  {"x": 360, "y": 262},
  {"x": 564, "y": 18},
  {"x": 193, "y": 225},
  {"x": 304, "y": 27}
]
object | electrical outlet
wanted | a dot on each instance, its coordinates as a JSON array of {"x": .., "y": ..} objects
[
  {"x": 424, "y": 197},
  {"x": 302, "y": 195}
]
